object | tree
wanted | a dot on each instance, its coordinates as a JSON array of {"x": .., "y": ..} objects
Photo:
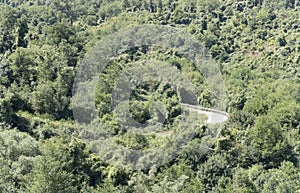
[
  {"x": 160, "y": 6},
  {"x": 42, "y": 81},
  {"x": 212, "y": 170},
  {"x": 22, "y": 30},
  {"x": 240, "y": 182},
  {"x": 281, "y": 180},
  {"x": 6, "y": 110},
  {"x": 17, "y": 151},
  {"x": 8, "y": 21},
  {"x": 152, "y": 6},
  {"x": 267, "y": 143},
  {"x": 63, "y": 167},
  {"x": 125, "y": 4}
]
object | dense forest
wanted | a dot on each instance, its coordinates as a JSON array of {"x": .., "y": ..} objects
[{"x": 44, "y": 147}]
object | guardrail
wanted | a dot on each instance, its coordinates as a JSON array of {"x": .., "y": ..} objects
[{"x": 205, "y": 109}]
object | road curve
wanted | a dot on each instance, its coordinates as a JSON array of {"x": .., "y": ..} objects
[{"x": 213, "y": 116}]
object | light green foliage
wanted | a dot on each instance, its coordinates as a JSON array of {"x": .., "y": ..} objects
[
  {"x": 17, "y": 152},
  {"x": 257, "y": 179},
  {"x": 283, "y": 179},
  {"x": 62, "y": 167}
]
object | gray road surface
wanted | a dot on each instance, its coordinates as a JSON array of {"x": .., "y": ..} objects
[{"x": 213, "y": 116}]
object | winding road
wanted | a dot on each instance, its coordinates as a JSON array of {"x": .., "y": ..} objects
[{"x": 213, "y": 116}]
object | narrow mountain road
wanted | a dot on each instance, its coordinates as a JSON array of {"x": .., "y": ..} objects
[{"x": 213, "y": 116}]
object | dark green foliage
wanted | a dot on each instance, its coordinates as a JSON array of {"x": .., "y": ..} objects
[
  {"x": 256, "y": 45},
  {"x": 267, "y": 143},
  {"x": 6, "y": 110}
]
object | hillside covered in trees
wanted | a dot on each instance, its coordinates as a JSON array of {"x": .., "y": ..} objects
[{"x": 45, "y": 148}]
